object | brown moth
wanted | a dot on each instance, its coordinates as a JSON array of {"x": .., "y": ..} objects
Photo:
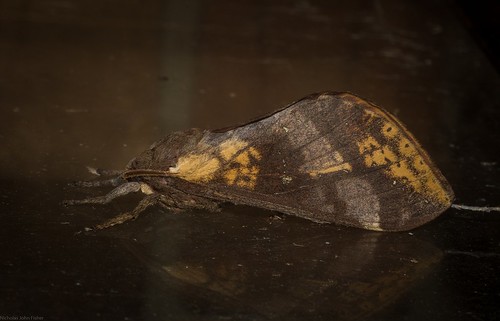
[{"x": 328, "y": 158}]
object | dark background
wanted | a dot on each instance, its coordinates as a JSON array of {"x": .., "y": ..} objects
[{"x": 96, "y": 82}]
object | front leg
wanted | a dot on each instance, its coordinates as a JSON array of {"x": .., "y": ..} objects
[
  {"x": 121, "y": 190},
  {"x": 175, "y": 201},
  {"x": 146, "y": 202}
]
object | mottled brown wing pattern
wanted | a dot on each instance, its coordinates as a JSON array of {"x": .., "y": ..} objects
[{"x": 329, "y": 158}]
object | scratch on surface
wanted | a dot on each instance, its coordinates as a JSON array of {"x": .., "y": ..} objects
[
  {"x": 476, "y": 208},
  {"x": 473, "y": 254}
]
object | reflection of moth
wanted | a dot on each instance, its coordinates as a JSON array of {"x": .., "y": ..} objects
[
  {"x": 330, "y": 157},
  {"x": 300, "y": 272}
]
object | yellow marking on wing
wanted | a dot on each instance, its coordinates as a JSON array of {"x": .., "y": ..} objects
[
  {"x": 405, "y": 147},
  {"x": 337, "y": 168},
  {"x": 430, "y": 179},
  {"x": 389, "y": 130},
  {"x": 231, "y": 147},
  {"x": 335, "y": 164},
  {"x": 249, "y": 171},
  {"x": 402, "y": 171},
  {"x": 243, "y": 159},
  {"x": 255, "y": 153},
  {"x": 197, "y": 167},
  {"x": 403, "y": 161},
  {"x": 236, "y": 162},
  {"x": 368, "y": 144},
  {"x": 375, "y": 154},
  {"x": 231, "y": 175},
  {"x": 381, "y": 156},
  {"x": 240, "y": 167},
  {"x": 419, "y": 164}
]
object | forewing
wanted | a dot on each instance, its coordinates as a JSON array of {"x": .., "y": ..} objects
[{"x": 329, "y": 158}]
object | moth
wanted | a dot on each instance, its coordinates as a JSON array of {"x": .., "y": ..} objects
[{"x": 329, "y": 158}]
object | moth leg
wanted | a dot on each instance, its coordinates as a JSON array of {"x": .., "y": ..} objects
[
  {"x": 121, "y": 190},
  {"x": 175, "y": 202},
  {"x": 147, "y": 201}
]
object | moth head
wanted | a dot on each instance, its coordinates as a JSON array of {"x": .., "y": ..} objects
[{"x": 163, "y": 154}]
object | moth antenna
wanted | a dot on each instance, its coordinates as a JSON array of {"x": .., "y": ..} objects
[
  {"x": 145, "y": 172},
  {"x": 115, "y": 181},
  {"x": 103, "y": 172}
]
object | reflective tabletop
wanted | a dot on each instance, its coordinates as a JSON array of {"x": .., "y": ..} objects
[{"x": 85, "y": 83}]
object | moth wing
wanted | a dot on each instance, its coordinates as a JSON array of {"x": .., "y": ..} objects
[{"x": 330, "y": 157}]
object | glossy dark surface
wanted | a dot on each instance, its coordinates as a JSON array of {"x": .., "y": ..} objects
[{"x": 83, "y": 84}]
